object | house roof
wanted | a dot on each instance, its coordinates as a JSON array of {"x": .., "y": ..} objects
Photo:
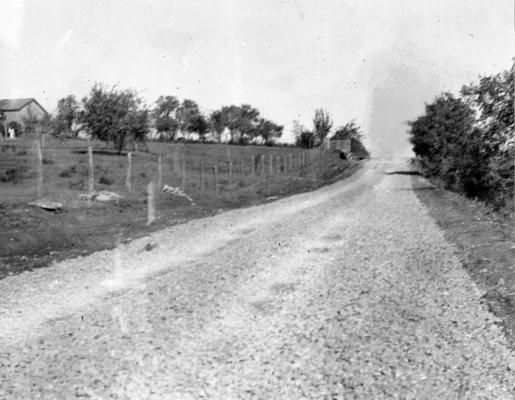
[{"x": 17, "y": 104}]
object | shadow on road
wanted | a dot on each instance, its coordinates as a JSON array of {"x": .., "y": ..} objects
[
  {"x": 418, "y": 188},
  {"x": 402, "y": 173}
]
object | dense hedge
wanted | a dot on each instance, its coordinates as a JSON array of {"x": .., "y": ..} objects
[{"x": 467, "y": 141}]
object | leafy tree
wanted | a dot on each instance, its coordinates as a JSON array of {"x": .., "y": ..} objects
[
  {"x": 244, "y": 124},
  {"x": 303, "y": 137},
  {"x": 351, "y": 130},
  {"x": 67, "y": 114},
  {"x": 322, "y": 124},
  {"x": 138, "y": 125},
  {"x": 492, "y": 98},
  {"x": 114, "y": 115},
  {"x": 440, "y": 134},
  {"x": 216, "y": 124},
  {"x": 202, "y": 127},
  {"x": 190, "y": 119},
  {"x": 164, "y": 114},
  {"x": 469, "y": 142},
  {"x": 241, "y": 121},
  {"x": 268, "y": 131}
]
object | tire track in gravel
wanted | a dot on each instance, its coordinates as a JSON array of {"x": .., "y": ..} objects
[
  {"x": 347, "y": 292},
  {"x": 33, "y": 297}
]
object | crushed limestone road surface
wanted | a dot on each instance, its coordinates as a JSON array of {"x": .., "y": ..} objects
[{"x": 348, "y": 292}]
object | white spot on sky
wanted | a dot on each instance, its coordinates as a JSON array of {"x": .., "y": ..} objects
[
  {"x": 13, "y": 12},
  {"x": 63, "y": 41}
]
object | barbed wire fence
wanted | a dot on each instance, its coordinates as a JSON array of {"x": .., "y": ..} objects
[{"x": 61, "y": 170}]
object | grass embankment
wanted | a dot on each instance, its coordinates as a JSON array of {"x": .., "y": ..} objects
[{"x": 31, "y": 237}]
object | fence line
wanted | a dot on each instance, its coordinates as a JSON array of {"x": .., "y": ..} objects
[{"x": 172, "y": 167}]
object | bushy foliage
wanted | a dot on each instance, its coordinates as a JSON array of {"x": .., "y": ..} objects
[
  {"x": 114, "y": 115},
  {"x": 268, "y": 131},
  {"x": 164, "y": 116},
  {"x": 243, "y": 123},
  {"x": 322, "y": 124},
  {"x": 67, "y": 114},
  {"x": 468, "y": 142},
  {"x": 190, "y": 119},
  {"x": 303, "y": 136},
  {"x": 351, "y": 130}
]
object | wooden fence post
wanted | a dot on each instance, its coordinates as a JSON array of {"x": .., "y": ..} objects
[
  {"x": 183, "y": 174},
  {"x": 39, "y": 183},
  {"x": 230, "y": 174},
  {"x": 128, "y": 178},
  {"x": 252, "y": 159},
  {"x": 242, "y": 167},
  {"x": 175, "y": 160},
  {"x": 271, "y": 171},
  {"x": 91, "y": 177},
  {"x": 159, "y": 172},
  {"x": 215, "y": 175},
  {"x": 151, "y": 210},
  {"x": 202, "y": 176},
  {"x": 262, "y": 164},
  {"x": 278, "y": 164}
]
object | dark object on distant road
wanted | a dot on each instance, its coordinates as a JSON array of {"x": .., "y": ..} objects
[{"x": 343, "y": 156}]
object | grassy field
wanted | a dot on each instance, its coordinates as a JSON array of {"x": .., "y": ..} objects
[
  {"x": 65, "y": 169},
  {"x": 246, "y": 175}
]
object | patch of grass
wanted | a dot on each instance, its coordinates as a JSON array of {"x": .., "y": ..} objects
[
  {"x": 77, "y": 184},
  {"x": 14, "y": 175},
  {"x": 68, "y": 172},
  {"x": 105, "y": 180}
]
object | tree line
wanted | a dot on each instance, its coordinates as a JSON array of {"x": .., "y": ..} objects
[
  {"x": 467, "y": 141},
  {"x": 118, "y": 116}
]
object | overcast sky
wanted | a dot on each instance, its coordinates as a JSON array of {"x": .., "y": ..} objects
[{"x": 373, "y": 61}]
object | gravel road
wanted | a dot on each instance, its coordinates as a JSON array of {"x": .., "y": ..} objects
[{"x": 348, "y": 292}]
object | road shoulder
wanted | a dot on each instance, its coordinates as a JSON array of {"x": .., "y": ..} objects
[{"x": 486, "y": 246}]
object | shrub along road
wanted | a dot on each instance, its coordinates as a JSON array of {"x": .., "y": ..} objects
[{"x": 350, "y": 291}]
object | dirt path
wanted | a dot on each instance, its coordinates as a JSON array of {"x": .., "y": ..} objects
[{"x": 347, "y": 292}]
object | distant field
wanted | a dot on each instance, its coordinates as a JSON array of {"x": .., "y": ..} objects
[{"x": 31, "y": 237}]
